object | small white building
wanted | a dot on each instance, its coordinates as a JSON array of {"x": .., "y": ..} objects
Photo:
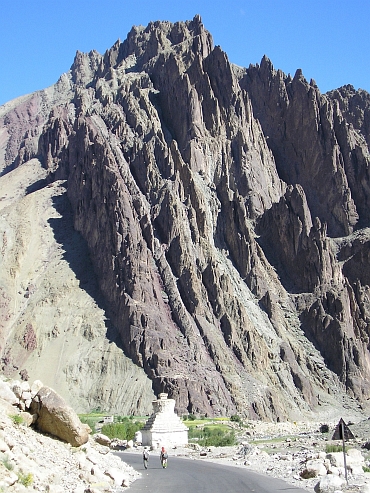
[{"x": 164, "y": 427}]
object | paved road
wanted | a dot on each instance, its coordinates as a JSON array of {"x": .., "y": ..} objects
[{"x": 197, "y": 476}]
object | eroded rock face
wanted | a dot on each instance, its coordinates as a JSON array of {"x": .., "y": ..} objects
[{"x": 225, "y": 214}]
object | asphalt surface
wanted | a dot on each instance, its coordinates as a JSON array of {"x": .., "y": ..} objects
[{"x": 197, "y": 476}]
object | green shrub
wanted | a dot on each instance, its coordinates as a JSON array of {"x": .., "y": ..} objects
[
  {"x": 17, "y": 419},
  {"x": 25, "y": 479},
  {"x": 123, "y": 431},
  {"x": 235, "y": 418},
  {"x": 366, "y": 468},
  {"x": 214, "y": 436}
]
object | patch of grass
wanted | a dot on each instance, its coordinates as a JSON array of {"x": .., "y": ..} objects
[
  {"x": 207, "y": 422},
  {"x": 25, "y": 479},
  {"x": 331, "y": 448},
  {"x": 16, "y": 418},
  {"x": 200, "y": 419},
  {"x": 92, "y": 419},
  {"x": 195, "y": 423},
  {"x": 94, "y": 416},
  {"x": 366, "y": 468}
]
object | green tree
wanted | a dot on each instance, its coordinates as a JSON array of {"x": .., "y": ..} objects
[{"x": 123, "y": 431}]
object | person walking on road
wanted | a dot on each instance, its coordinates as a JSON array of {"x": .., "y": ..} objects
[
  {"x": 146, "y": 457},
  {"x": 164, "y": 457}
]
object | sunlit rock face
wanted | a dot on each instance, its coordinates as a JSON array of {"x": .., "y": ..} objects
[{"x": 220, "y": 241}]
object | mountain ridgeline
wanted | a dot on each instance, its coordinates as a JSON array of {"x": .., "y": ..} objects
[{"x": 226, "y": 216}]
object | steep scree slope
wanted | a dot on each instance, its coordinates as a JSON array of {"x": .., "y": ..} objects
[{"x": 226, "y": 213}]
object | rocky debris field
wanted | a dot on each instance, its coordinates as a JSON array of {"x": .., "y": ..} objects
[
  {"x": 35, "y": 461},
  {"x": 298, "y": 452}
]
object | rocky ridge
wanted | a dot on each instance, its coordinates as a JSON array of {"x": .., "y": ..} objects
[{"x": 225, "y": 213}]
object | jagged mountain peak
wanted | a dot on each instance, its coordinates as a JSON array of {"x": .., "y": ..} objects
[{"x": 210, "y": 200}]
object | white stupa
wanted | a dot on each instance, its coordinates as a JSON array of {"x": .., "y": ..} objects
[{"x": 164, "y": 427}]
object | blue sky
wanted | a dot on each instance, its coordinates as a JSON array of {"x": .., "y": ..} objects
[{"x": 329, "y": 40}]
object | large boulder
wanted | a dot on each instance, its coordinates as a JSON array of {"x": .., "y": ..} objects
[
  {"x": 57, "y": 418},
  {"x": 354, "y": 459},
  {"x": 315, "y": 467},
  {"x": 329, "y": 484},
  {"x": 102, "y": 439}
]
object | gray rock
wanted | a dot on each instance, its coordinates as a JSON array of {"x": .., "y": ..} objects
[
  {"x": 26, "y": 396},
  {"x": 28, "y": 419},
  {"x": 25, "y": 386},
  {"x": 317, "y": 467},
  {"x": 102, "y": 439},
  {"x": 54, "y": 416},
  {"x": 7, "y": 394},
  {"x": 329, "y": 484},
  {"x": 35, "y": 387}
]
